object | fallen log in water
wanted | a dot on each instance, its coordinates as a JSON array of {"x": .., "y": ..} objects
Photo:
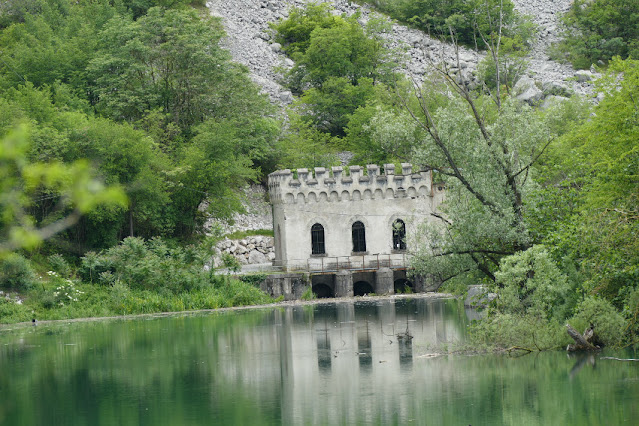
[{"x": 582, "y": 342}]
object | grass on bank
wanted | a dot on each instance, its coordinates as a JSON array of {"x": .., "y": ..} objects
[
  {"x": 238, "y": 235},
  {"x": 135, "y": 277}
]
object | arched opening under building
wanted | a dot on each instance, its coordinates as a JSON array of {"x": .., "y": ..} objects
[
  {"x": 317, "y": 239},
  {"x": 402, "y": 285},
  {"x": 360, "y": 288},
  {"x": 359, "y": 237},
  {"x": 399, "y": 235},
  {"x": 322, "y": 291}
]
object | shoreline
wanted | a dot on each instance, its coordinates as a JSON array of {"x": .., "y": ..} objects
[{"x": 430, "y": 295}]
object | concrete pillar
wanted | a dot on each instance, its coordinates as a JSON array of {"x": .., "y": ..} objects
[
  {"x": 343, "y": 284},
  {"x": 384, "y": 281}
]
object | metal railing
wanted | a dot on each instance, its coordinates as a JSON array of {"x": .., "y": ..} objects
[{"x": 370, "y": 262}]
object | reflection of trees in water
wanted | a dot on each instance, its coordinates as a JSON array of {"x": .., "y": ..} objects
[{"x": 113, "y": 372}]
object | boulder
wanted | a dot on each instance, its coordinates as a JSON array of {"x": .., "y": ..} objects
[
  {"x": 276, "y": 47},
  {"x": 555, "y": 88},
  {"x": 526, "y": 90},
  {"x": 256, "y": 257},
  {"x": 286, "y": 97},
  {"x": 583, "y": 76}
]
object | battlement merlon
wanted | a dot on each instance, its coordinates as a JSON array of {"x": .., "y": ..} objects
[{"x": 354, "y": 178}]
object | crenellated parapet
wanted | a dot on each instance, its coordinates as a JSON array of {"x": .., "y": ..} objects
[{"x": 352, "y": 183}]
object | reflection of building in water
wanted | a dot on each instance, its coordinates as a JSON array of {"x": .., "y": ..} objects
[{"x": 330, "y": 351}]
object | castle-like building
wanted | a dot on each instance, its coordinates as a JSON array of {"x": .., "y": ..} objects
[{"x": 349, "y": 219}]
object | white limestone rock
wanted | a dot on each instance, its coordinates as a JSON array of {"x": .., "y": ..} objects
[
  {"x": 583, "y": 76},
  {"x": 526, "y": 90},
  {"x": 256, "y": 257},
  {"x": 276, "y": 47}
]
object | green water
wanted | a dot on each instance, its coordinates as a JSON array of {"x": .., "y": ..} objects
[{"x": 324, "y": 364}]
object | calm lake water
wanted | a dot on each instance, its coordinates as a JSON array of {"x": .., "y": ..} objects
[{"x": 337, "y": 363}]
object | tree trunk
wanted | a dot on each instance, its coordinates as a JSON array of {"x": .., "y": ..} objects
[{"x": 581, "y": 343}]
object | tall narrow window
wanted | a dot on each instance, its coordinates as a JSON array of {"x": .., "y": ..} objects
[
  {"x": 399, "y": 235},
  {"x": 359, "y": 237},
  {"x": 317, "y": 239}
]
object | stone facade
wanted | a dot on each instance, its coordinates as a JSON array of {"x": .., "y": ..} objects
[{"x": 339, "y": 200}]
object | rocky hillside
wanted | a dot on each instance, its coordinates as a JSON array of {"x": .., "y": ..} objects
[
  {"x": 246, "y": 23},
  {"x": 249, "y": 40}
]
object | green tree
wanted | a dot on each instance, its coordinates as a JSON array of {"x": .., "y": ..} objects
[
  {"x": 596, "y": 31},
  {"x": 485, "y": 153},
  {"x": 294, "y": 33},
  {"x": 463, "y": 21},
  {"x": 303, "y": 145},
  {"x": 53, "y": 41},
  {"x": 141, "y": 7},
  {"x": 339, "y": 63},
  {"x": 171, "y": 61},
  {"x": 330, "y": 107},
  {"x": 22, "y": 182},
  {"x": 217, "y": 163},
  {"x": 596, "y": 166}
]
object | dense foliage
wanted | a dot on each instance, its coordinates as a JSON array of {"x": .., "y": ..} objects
[
  {"x": 585, "y": 211},
  {"x": 596, "y": 31},
  {"x": 147, "y": 97},
  {"x": 465, "y": 20},
  {"x": 134, "y": 277},
  {"x": 120, "y": 118},
  {"x": 589, "y": 211},
  {"x": 104, "y": 99},
  {"x": 332, "y": 90}
]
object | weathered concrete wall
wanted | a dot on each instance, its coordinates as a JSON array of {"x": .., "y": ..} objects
[
  {"x": 337, "y": 199},
  {"x": 291, "y": 286},
  {"x": 384, "y": 282}
]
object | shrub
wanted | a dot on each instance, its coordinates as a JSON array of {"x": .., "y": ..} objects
[
  {"x": 230, "y": 262},
  {"x": 254, "y": 279},
  {"x": 597, "y": 31},
  {"x": 631, "y": 310},
  {"x": 92, "y": 266},
  {"x": 47, "y": 299},
  {"x": 149, "y": 265},
  {"x": 608, "y": 324},
  {"x": 59, "y": 264},
  {"x": 238, "y": 293},
  {"x": 524, "y": 331},
  {"x": 16, "y": 273},
  {"x": 10, "y": 311},
  {"x": 66, "y": 293},
  {"x": 532, "y": 283}
]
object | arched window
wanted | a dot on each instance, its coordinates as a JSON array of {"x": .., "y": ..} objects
[
  {"x": 399, "y": 235},
  {"x": 317, "y": 239},
  {"x": 359, "y": 237}
]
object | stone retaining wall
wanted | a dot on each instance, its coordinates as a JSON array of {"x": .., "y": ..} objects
[{"x": 248, "y": 251}]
